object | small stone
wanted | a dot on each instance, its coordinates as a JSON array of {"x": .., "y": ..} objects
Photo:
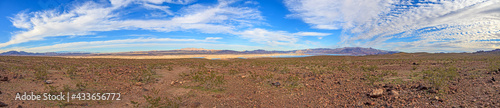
[
  {"x": 422, "y": 87},
  {"x": 5, "y": 79},
  {"x": 3, "y": 104},
  {"x": 195, "y": 104},
  {"x": 277, "y": 84},
  {"x": 138, "y": 84},
  {"x": 436, "y": 98},
  {"x": 370, "y": 103},
  {"x": 217, "y": 96},
  {"x": 432, "y": 91},
  {"x": 243, "y": 76},
  {"x": 48, "y": 81},
  {"x": 376, "y": 93},
  {"x": 19, "y": 106},
  {"x": 172, "y": 83},
  {"x": 394, "y": 92}
]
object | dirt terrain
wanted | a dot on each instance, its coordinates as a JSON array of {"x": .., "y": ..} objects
[
  {"x": 205, "y": 56},
  {"x": 397, "y": 80}
]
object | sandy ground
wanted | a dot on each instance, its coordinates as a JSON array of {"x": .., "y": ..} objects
[{"x": 206, "y": 56}]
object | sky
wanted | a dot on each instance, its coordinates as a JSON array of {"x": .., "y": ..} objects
[{"x": 143, "y": 25}]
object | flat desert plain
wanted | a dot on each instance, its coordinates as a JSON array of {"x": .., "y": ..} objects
[
  {"x": 396, "y": 80},
  {"x": 206, "y": 56}
]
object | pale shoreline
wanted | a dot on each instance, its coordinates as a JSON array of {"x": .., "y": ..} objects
[{"x": 205, "y": 56}]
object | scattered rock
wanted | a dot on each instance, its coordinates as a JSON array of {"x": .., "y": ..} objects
[
  {"x": 172, "y": 83},
  {"x": 19, "y": 106},
  {"x": 5, "y": 79},
  {"x": 370, "y": 103},
  {"x": 195, "y": 104},
  {"x": 388, "y": 86},
  {"x": 311, "y": 78},
  {"x": 376, "y": 93},
  {"x": 415, "y": 63},
  {"x": 277, "y": 84},
  {"x": 432, "y": 91},
  {"x": 0, "y": 92},
  {"x": 422, "y": 87},
  {"x": 394, "y": 92},
  {"x": 48, "y": 81},
  {"x": 138, "y": 84},
  {"x": 243, "y": 76},
  {"x": 217, "y": 96},
  {"x": 493, "y": 79},
  {"x": 436, "y": 98},
  {"x": 3, "y": 104}
]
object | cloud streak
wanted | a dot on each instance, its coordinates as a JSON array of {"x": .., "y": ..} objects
[
  {"x": 116, "y": 43},
  {"x": 90, "y": 17},
  {"x": 453, "y": 24},
  {"x": 275, "y": 38}
]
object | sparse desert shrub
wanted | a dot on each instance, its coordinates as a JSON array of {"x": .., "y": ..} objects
[
  {"x": 146, "y": 75},
  {"x": 494, "y": 67},
  {"x": 293, "y": 81},
  {"x": 233, "y": 72},
  {"x": 343, "y": 67},
  {"x": 52, "y": 89},
  {"x": 208, "y": 80},
  {"x": 372, "y": 78},
  {"x": 71, "y": 71},
  {"x": 81, "y": 86},
  {"x": 439, "y": 77},
  {"x": 285, "y": 70},
  {"x": 386, "y": 73},
  {"x": 369, "y": 68},
  {"x": 267, "y": 77},
  {"x": 41, "y": 73},
  {"x": 169, "y": 68},
  {"x": 158, "y": 102}
]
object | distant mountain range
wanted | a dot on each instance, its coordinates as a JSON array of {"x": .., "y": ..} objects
[
  {"x": 357, "y": 51},
  {"x": 496, "y": 51},
  {"x": 22, "y": 53}
]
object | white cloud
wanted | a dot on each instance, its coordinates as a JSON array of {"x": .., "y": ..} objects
[
  {"x": 275, "y": 38},
  {"x": 311, "y": 34},
  {"x": 453, "y": 23},
  {"x": 171, "y": 1},
  {"x": 90, "y": 17},
  {"x": 111, "y": 43}
]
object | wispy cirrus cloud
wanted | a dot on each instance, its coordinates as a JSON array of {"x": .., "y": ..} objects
[
  {"x": 90, "y": 17},
  {"x": 450, "y": 24},
  {"x": 275, "y": 38},
  {"x": 114, "y": 43}
]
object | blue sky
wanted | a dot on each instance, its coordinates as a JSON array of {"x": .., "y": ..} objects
[{"x": 142, "y": 25}]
